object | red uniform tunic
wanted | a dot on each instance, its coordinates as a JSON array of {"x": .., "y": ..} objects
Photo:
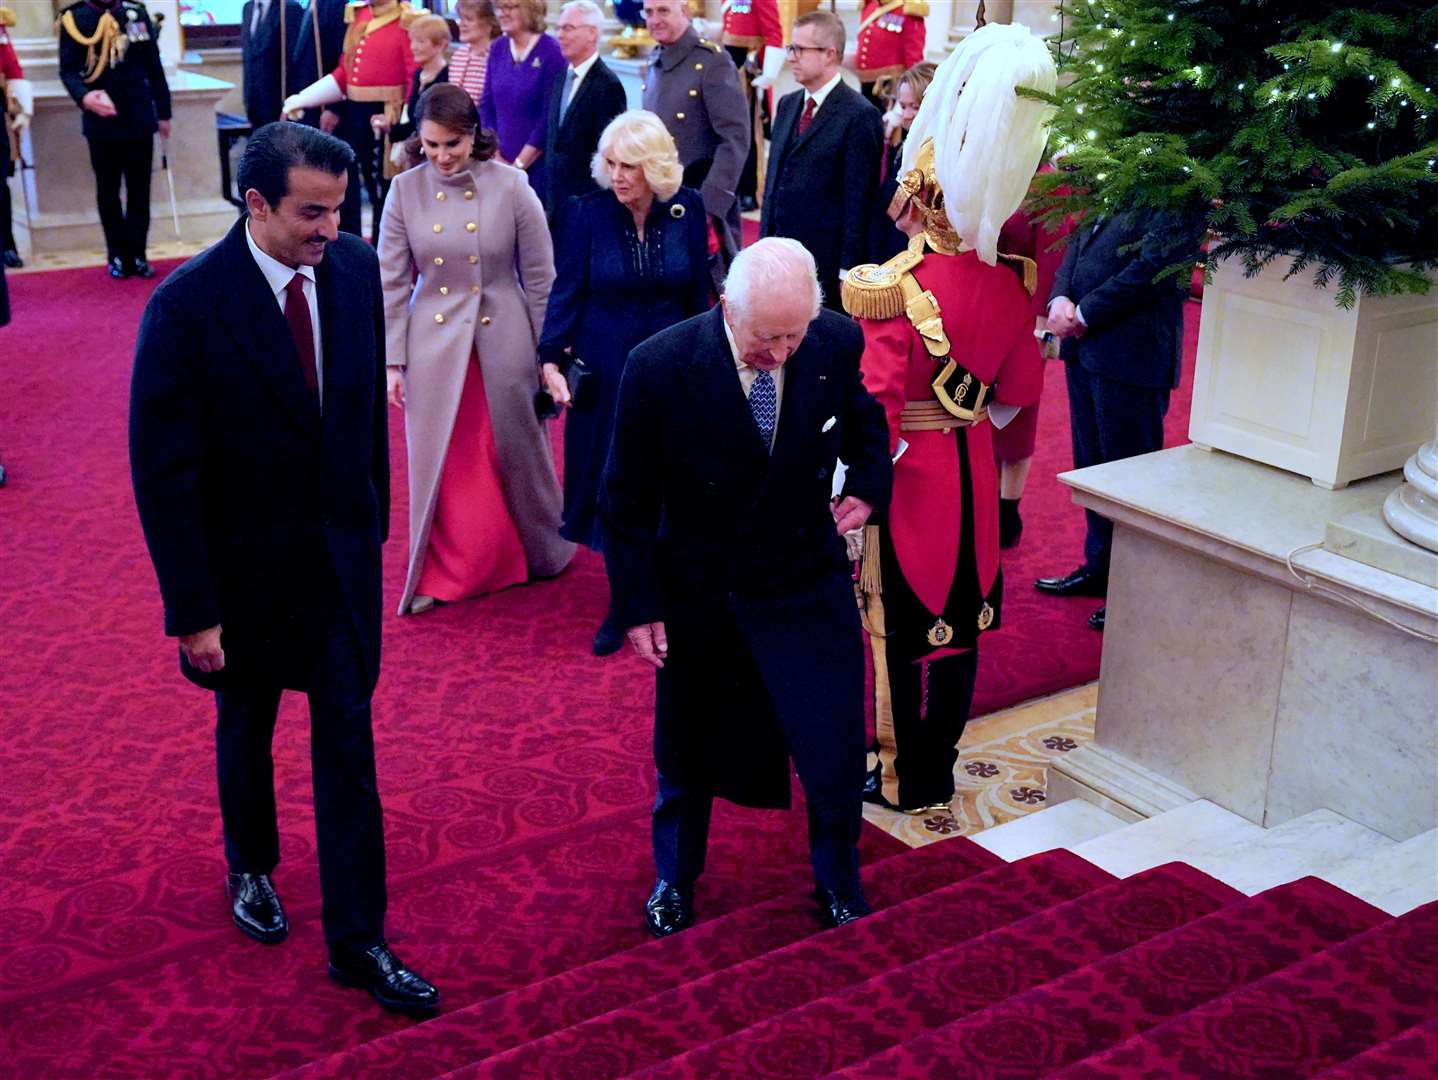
[
  {"x": 9, "y": 69},
  {"x": 892, "y": 42},
  {"x": 753, "y": 24},
  {"x": 377, "y": 56},
  {"x": 9, "y": 62},
  {"x": 989, "y": 323}
]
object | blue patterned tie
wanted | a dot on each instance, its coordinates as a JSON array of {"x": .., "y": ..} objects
[
  {"x": 565, "y": 91},
  {"x": 763, "y": 403}
]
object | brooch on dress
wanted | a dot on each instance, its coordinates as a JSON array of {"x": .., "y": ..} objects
[{"x": 676, "y": 211}]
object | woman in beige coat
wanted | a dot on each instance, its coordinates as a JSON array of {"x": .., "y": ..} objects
[{"x": 467, "y": 267}]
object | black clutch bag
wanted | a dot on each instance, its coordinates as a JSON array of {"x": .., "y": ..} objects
[{"x": 582, "y": 389}]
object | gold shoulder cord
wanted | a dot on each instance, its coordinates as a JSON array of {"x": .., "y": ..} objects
[{"x": 104, "y": 48}]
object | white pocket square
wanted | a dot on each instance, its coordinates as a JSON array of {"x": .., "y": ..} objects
[{"x": 828, "y": 424}]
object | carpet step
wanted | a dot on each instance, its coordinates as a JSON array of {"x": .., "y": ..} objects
[
  {"x": 662, "y": 1026},
  {"x": 1397, "y": 879},
  {"x": 1232, "y": 849},
  {"x": 1413, "y": 1055},
  {"x": 1068, "y": 1018},
  {"x": 492, "y": 1026},
  {"x": 1064, "y": 825},
  {"x": 847, "y": 1026},
  {"x": 1309, "y": 1017}
]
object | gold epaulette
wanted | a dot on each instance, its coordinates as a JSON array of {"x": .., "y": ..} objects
[
  {"x": 711, "y": 46},
  {"x": 408, "y": 14},
  {"x": 1028, "y": 271},
  {"x": 352, "y": 9},
  {"x": 7, "y": 17},
  {"x": 876, "y": 291},
  {"x": 919, "y": 9}
]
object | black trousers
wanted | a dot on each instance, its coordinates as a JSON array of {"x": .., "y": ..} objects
[
  {"x": 7, "y": 224},
  {"x": 1110, "y": 420},
  {"x": 928, "y": 709},
  {"x": 127, "y": 224},
  {"x": 348, "y": 823},
  {"x": 806, "y": 655},
  {"x": 354, "y": 128}
]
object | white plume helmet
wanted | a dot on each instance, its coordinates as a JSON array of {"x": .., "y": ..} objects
[{"x": 988, "y": 140}]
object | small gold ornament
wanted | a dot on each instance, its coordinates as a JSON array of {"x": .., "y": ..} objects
[
  {"x": 941, "y": 633},
  {"x": 986, "y": 616}
]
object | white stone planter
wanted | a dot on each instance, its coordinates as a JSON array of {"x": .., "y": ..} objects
[{"x": 1286, "y": 377}]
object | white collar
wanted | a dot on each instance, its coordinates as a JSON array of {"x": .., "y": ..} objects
[
  {"x": 823, "y": 91},
  {"x": 582, "y": 68},
  {"x": 277, "y": 274},
  {"x": 521, "y": 57},
  {"x": 733, "y": 345}
]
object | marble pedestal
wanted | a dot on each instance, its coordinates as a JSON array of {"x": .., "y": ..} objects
[
  {"x": 58, "y": 212},
  {"x": 1228, "y": 677}
]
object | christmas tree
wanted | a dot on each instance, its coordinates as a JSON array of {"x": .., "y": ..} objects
[{"x": 1303, "y": 128}]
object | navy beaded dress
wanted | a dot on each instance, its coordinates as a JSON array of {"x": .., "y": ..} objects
[{"x": 612, "y": 291}]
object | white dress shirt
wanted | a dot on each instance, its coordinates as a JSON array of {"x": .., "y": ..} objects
[
  {"x": 823, "y": 92},
  {"x": 579, "y": 71},
  {"x": 748, "y": 373},
  {"x": 277, "y": 276}
]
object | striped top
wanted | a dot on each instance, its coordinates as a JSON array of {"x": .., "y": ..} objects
[{"x": 467, "y": 68}]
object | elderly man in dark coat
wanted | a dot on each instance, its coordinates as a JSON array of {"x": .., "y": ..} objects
[{"x": 728, "y": 568}]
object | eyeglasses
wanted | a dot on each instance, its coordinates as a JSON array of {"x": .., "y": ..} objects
[{"x": 793, "y": 51}]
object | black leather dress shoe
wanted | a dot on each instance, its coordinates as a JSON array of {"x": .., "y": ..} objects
[
  {"x": 1082, "y": 582},
  {"x": 12, "y": 259},
  {"x": 257, "y": 908},
  {"x": 608, "y": 639},
  {"x": 141, "y": 269},
  {"x": 1096, "y": 619},
  {"x": 389, "y": 982},
  {"x": 836, "y": 910},
  {"x": 117, "y": 268},
  {"x": 669, "y": 909}
]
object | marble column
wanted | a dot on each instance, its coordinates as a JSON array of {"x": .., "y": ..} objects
[{"x": 1411, "y": 510}]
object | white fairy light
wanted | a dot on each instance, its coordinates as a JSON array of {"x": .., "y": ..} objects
[
  {"x": 1337, "y": 46},
  {"x": 1395, "y": 81},
  {"x": 1371, "y": 125},
  {"x": 1091, "y": 134}
]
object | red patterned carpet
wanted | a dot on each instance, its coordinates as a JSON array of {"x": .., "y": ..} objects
[{"x": 515, "y": 771}]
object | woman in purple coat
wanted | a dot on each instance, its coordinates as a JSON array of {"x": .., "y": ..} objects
[{"x": 524, "y": 66}]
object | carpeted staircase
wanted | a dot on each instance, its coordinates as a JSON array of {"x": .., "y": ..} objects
[{"x": 974, "y": 967}]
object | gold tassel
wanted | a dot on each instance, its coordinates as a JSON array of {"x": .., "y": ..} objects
[
  {"x": 866, "y": 295},
  {"x": 871, "y": 580}
]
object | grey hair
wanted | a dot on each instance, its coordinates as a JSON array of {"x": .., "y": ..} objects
[
  {"x": 587, "y": 10},
  {"x": 766, "y": 265}
]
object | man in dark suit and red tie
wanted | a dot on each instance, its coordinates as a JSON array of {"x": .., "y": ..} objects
[
  {"x": 728, "y": 568},
  {"x": 823, "y": 174},
  {"x": 260, "y": 463}
]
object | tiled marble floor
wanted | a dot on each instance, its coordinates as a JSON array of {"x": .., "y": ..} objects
[{"x": 1002, "y": 771}]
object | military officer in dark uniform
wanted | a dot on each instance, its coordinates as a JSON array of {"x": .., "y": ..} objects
[
  {"x": 693, "y": 86},
  {"x": 110, "y": 64}
]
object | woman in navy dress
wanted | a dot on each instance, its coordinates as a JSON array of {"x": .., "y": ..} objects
[{"x": 632, "y": 259}]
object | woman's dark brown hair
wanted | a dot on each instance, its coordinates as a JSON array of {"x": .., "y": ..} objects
[{"x": 451, "y": 107}]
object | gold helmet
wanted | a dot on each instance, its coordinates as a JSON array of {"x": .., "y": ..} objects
[{"x": 919, "y": 189}]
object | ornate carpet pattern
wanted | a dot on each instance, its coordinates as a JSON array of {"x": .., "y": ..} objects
[{"x": 1002, "y": 771}]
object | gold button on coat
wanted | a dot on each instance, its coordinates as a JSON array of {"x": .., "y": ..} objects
[
  {"x": 677, "y": 116},
  {"x": 473, "y": 259},
  {"x": 470, "y": 227},
  {"x": 439, "y": 318},
  {"x": 474, "y": 288},
  {"x": 484, "y": 320},
  {"x": 693, "y": 93},
  {"x": 469, "y": 194},
  {"x": 438, "y": 260},
  {"x": 444, "y": 290},
  {"x": 698, "y": 67},
  {"x": 440, "y": 196},
  {"x": 439, "y": 228}
]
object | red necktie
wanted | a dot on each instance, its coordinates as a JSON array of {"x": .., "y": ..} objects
[
  {"x": 807, "y": 118},
  {"x": 297, "y": 314}
]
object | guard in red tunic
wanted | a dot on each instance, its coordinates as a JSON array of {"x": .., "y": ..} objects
[
  {"x": 949, "y": 347},
  {"x": 890, "y": 41},
  {"x": 373, "y": 76},
  {"x": 754, "y": 36},
  {"x": 17, "y": 105}
]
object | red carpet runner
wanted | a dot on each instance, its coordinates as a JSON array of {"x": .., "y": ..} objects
[{"x": 515, "y": 771}]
